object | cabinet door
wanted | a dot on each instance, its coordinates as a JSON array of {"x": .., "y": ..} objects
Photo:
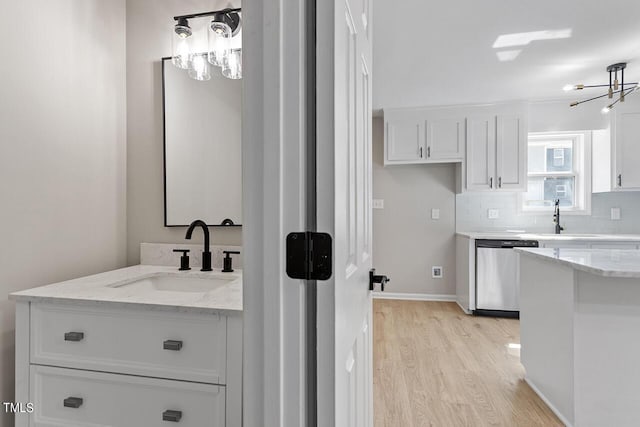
[
  {"x": 511, "y": 156},
  {"x": 627, "y": 146},
  {"x": 404, "y": 139},
  {"x": 445, "y": 138},
  {"x": 481, "y": 152}
]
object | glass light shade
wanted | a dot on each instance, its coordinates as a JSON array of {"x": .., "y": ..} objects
[
  {"x": 233, "y": 66},
  {"x": 182, "y": 50},
  {"x": 219, "y": 35},
  {"x": 199, "y": 69}
]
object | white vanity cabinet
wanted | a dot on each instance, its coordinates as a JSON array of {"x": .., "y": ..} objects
[{"x": 114, "y": 365}]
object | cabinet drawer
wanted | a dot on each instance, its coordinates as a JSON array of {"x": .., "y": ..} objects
[
  {"x": 181, "y": 346},
  {"x": 121, "y": 400}
]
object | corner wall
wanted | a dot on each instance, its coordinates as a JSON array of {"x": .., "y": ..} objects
[
  {"x": 406, "y": 241},
  {"x": 149, "y": 24},
  {"x": 62, "y": 150}
]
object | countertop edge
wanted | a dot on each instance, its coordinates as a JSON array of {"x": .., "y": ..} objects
[
  {"x": 123, "y": 304},
  {"x": 577, "y": 266}
]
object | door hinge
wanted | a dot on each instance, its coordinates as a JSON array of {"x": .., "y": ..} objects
[{"x": 309, "y": 256}]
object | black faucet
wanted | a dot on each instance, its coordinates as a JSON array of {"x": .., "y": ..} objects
[
  {"x": 206, "y": 254},
  {"x": 556, "y": 216}
]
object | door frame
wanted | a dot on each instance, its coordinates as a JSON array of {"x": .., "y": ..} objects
[{"x": 274, "y": 141}]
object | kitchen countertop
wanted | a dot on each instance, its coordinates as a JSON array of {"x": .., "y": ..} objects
[
  {"x": 504, "y": 235},
  {"x": 623, "y": 263},
  {"x": 102, "y": 289}
]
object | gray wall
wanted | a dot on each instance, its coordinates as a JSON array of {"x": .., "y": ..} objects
[
  {"x": 149, "y": 23},
  {"x": 471, "y": 213},
  {"x": 62, "y": 150},
  {"x": 406, "y": 241}
]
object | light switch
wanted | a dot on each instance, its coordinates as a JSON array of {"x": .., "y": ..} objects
[
  {"x": 493, "y": 214},
  {"x": 435, "y": 213},
  {"x": 378, "y": 203},
  {"x": 615, "y": 214}
]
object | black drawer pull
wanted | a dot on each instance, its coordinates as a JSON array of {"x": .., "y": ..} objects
[
  {"x": 173, "y": 416},
  {"x": 73, "y": 402},
  {"x": 172, "y": 345},
  {"x": 74, "y": 336}
]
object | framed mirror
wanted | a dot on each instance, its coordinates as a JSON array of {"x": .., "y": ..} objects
[{"x": 202, "y": 148}]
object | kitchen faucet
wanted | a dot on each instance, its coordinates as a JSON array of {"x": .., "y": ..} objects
[
  {"x": 556, "y": 216},
  {"x": 206, "y": 254}
]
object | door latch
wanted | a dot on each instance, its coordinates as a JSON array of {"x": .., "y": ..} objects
[{"x": 373, "y": 279}]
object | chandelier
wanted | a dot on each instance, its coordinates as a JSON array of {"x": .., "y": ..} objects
[
  {"x": 221, "y": 47},
  {"x": 616, "y": 88}
]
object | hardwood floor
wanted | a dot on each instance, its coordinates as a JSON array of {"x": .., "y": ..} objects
[{"x": 436, "y": 366}]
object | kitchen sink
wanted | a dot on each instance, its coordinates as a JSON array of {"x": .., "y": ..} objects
[{"x": 178, "y": 284}]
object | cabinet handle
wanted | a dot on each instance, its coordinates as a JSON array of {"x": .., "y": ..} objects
[
  {"x": 172, "y": 345},
  {"x": 73, "y": 336},
  {"x": 491, "y": 182},
  {"x": 420, "y": 152},
  {"x": 73, "y": 402},
  {"x": 499, "y": 182},
  {"x": 429, "y": 152},
  {"x": 620, "y": 180},
  {"x": 173, "y": 416}
]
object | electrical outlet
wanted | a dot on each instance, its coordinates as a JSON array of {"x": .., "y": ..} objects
[
  {"x": 493, "y": 214},
  {"x": 435, "y": 213},
  {"x": 437, "y": 272},
  {"x": 378, "y": 203},
  {"x": 615, "y": 214}
]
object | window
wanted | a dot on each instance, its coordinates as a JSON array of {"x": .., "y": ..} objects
[{"x": 559, "y": 167}]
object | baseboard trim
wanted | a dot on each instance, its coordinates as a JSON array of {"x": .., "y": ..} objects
[
  {"x": 467, "y": 311},
  {"x": 414, "y": 297},
  {"x": 547, "y": 402}
]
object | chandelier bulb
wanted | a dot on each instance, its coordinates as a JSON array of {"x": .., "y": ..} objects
[
  {"x": 573, "y": 104},
  {"x": 610, "y": 92},
  {"x": 622, "y": 95},
  {"x": 606, "y": 109}
]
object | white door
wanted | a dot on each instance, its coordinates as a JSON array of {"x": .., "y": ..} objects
[
  {"x": 511, "y": 152},
  {"x": 404, "y": 138},
  {"x": 627, "y": 146},
  {"x": 481, "y": 154},
  {"x": 344, "y": 210},
  {"x": 445, "y": 138}
]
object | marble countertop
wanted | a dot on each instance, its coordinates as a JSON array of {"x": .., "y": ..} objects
[
  {"x": 623, "y": 263},
  {"x": 107, "y": 288},
  {"x": 506, "y": 235}
]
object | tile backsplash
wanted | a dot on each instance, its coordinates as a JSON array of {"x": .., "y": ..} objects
[{"x": 472, "y": 209}]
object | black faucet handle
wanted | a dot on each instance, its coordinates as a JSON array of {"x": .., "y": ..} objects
[
  {"x": 184, "y": 259},
  {"x": 231, "y": 252},
  {"x": 227, "y": 264}
]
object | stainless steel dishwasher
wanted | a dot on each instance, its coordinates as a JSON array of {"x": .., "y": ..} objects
[{"x": 497, "y": 277}]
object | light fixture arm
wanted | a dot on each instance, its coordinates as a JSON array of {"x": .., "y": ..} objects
[{"x": 204, "y": 14}]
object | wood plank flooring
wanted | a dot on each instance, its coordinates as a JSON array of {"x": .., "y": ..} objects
[{"x": 436, "y": 366}]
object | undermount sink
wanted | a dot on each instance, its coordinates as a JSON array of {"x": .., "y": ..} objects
[{"x": 178, "y": 284}]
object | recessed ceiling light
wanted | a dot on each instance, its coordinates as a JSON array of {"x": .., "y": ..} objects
[
  {"x": 508, "y": 55},
  {"x": 523, "y": 39}
]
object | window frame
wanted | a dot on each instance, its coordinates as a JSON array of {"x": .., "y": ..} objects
[{"x": 581, "y": 171}]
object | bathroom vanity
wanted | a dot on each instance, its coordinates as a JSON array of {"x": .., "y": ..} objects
[{"x": 140, "y": 346}]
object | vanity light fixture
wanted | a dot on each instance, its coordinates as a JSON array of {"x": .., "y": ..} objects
[
  {"x": 615, "y": 87},
  {"x": 222, "y": 50}
]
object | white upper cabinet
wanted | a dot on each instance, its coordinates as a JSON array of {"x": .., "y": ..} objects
[
  {"x": 627, "y": 148},
  {"x": 511, "y": 152},
  {"x": 497, "y": 151},
  {"x": 445, "y": 138},
  {"x": 481, "y": 152},
  {"x": 616, "y": 152},
  {"x": 419, "y": 135},
  {"x": 404, "y": 138}
]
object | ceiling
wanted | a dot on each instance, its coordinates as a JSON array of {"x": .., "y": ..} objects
[{"x": 440, "y": 53}]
